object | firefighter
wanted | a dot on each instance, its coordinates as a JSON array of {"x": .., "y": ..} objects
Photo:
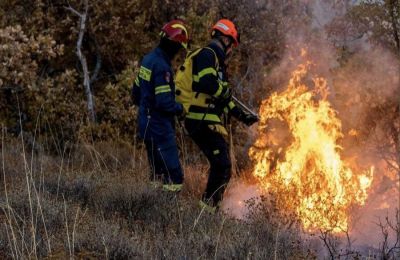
[
  {"x": 212, "y": 103},
  {"x": 154, "y": 92}
]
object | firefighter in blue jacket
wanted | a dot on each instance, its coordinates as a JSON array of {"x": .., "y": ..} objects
[
  {"x": 154, "y": 93},
  {"x": 205, "y": 118}
]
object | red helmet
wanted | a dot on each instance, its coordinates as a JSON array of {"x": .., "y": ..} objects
[
  {"x": 227, "y": 28},
  {"x": 176, "y": 31}
]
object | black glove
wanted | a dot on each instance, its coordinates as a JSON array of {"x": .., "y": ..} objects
[
  {"x": 249, "y": 119},
  {"x": 224, "y": 98},
  {"x": 226, "y": 93}
]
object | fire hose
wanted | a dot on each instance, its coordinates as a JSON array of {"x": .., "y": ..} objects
[{"x": 244, "y": 107}]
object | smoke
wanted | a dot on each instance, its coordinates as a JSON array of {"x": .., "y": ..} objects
[
  {"x": 367, "y": 88},
  {"x": 364, "y": 90},
  {"x": 237, "y": 196}
]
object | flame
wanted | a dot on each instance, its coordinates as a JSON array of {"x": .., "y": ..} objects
[
  {"x": 303, "y": 169},
  {"x": 353, "y": 132}
]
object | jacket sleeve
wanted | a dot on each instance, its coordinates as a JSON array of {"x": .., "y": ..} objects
[
  {"x": 205, "y": 78},
  {"x": 235, "y": 111},
  {"x": 135, "y": 94},
  {"x": 164, "y": 94}
]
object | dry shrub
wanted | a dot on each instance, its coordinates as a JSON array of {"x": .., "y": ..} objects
[
  {"x": 12, "y": 159},
  {"x": 116, "y": 213},
  {"x": 110, "y": 242},
  {"x": 276, "y": 227},
  {"x": 25, "y": 226},
  {"x": 196, "y": 177}
]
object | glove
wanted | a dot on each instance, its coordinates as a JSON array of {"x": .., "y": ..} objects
[
  {"x": 226, "y": 93},
  {"x": 225, "y": 96},
  {"x": 250, "y": 119}
]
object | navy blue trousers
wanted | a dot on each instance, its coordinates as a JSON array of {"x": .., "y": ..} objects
[{"x": 164, "y": 161}]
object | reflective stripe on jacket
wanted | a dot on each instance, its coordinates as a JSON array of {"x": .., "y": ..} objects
[
  {"x": 209, "y": 82},
  {"x": 157, "y": 106}
]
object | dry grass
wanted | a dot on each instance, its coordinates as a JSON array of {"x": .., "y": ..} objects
[{"x": 94, "y": 201}]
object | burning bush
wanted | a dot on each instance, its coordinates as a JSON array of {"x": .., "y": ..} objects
[{"x": 304, "y": 170}]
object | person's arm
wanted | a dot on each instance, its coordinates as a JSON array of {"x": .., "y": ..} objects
[
  {"x": 164, "y": 96},
  {"x": 239, "y": 114},
  {"x": 205, "y": 78}
]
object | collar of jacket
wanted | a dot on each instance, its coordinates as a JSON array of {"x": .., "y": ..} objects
[
  {"x": 163, "y": 54},
  {"x": 219, "y": 51}
]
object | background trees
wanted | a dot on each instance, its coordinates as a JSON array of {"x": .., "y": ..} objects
[
  {"x": 41, "y": 79},
  {"x": 118, "y": 33}
]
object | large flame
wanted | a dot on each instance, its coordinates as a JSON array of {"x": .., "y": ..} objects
[{"x": 303, "y": 169}]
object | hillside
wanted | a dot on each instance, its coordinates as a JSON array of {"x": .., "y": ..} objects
[{"x": 317, "y": 177}]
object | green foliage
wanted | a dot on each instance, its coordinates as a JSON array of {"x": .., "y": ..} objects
[
  {"x": 22, "y": 82},
  {"x": 20, "y": 55},
  {"x": 378, "y": 21},
  {"x": 117, "y": 116},
  {"x": 42, "y": 80}
]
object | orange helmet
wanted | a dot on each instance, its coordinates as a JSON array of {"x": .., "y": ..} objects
[
  {"x": 176, "y": 31},
  {"x": 227, "y": 28}
]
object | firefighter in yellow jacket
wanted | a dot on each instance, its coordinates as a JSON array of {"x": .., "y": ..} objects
[{"x": 212, "y": 100}]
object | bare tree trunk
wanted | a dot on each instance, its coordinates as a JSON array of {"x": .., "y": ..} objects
[{"x": 82, "y": 59}]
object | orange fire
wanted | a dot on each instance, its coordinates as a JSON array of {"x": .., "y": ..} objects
[{"x": 297, "y": 155}]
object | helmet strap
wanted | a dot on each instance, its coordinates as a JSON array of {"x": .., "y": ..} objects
[{"x": 224, "y": 46}]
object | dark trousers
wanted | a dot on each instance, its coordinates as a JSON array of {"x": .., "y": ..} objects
[
  {"x": 215, "y": 148},
  {"x": 164, "y": 161}
]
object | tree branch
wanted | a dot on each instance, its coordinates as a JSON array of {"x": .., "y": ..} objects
[
  {"x": 325, "y": 238},
  {"x": 69, "y": 8},
  {"x": 82, "y": 59}
]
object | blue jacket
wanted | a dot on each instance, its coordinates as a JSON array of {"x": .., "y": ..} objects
[{"x": 154, "y": 92}]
